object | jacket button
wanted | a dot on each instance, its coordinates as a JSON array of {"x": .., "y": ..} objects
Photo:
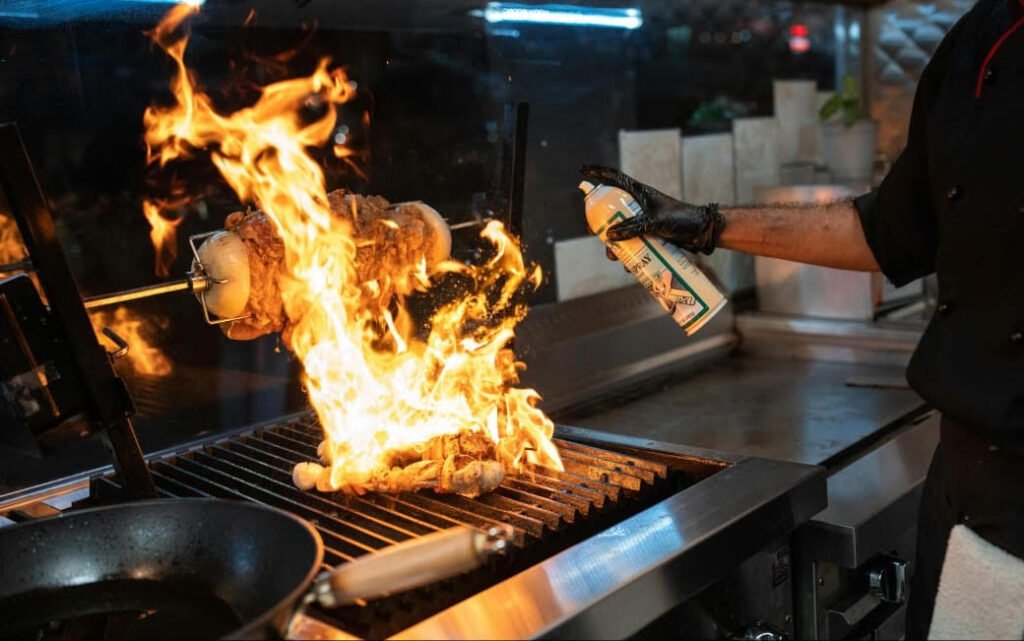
[
  {"x": 990, "y": 75},
  {"x": 943, "y": 308},
  {"x": 1017, "y": 337},
  {"x": 953, "y": 193}
]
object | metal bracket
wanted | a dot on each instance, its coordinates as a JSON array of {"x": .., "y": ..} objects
[
  {"x": 199, "y": 271},
  {"x": 111, "y": 404},
  {"x": 516, "y": 120},
  {"x": 122, "y": 344}
]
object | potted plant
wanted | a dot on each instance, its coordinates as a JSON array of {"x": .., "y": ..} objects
[{"x": 848, "y": 136}]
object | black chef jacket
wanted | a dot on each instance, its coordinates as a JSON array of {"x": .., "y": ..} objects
[{"x": 953, "y": 204}]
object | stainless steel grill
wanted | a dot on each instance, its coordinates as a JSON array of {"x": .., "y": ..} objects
[{"x": 549, "y": 510}]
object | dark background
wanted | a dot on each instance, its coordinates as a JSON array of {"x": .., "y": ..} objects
[{"x": 434, "y": 77}]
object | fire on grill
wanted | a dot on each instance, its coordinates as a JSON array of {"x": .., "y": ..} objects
[
  {"x": 402, "y": 407},
  {"x": 395, "y": 248}
]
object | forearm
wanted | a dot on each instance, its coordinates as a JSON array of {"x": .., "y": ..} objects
[{"x": 819, "y": 234}]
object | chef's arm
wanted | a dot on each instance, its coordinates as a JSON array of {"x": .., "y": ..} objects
[
  {"x": 827, "y": 234},
  {"x": 819, "y": 234}
]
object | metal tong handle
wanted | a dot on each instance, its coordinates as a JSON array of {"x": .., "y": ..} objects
[
  {"x": 115, "y": 338},
  {"x": 410, "y": 564}
]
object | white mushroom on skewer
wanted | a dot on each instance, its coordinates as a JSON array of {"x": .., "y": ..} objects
[{"x": 226, "y": 261}]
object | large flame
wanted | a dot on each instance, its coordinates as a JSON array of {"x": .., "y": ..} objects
[
  {"x": 375, "y": 385},
  {"x": 143, "y": 356},
  {"x": 163, "y": 233},
  {"x": 11, "y": 248}
]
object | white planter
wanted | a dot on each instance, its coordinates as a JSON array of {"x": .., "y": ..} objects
[{"x": 849, "y": 152}]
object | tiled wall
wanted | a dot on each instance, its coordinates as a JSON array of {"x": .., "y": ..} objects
[{"x": 902, "y": 36}]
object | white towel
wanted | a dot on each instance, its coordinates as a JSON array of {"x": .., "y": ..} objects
[{"x": 981, "y": 591}]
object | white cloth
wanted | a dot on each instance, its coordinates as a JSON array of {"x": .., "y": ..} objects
[{"x": 981, "y": 591}]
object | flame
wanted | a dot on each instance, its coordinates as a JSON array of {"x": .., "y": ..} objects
[
  {"x": 163, "y": 233},
  {"x": 11, "y": 248},
  {"x": 376, "y": 385},
  {"x": 142, "y": 355}
]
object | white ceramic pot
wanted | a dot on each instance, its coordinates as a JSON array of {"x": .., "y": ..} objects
[{"x": 849, "y": 151}]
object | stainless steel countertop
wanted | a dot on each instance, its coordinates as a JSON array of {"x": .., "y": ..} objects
[
  {"x": 798, "y": 411},
  {"x": 874, "y": 500}
]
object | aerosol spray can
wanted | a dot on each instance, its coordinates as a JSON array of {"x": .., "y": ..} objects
[{"x": 677, "y": 284}]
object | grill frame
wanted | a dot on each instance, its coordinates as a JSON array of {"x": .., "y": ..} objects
[
  {"x": 549, "y": 510},
  {"x": 648, "y": 563}
]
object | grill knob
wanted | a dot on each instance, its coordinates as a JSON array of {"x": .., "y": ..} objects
[
  {"x": 887, "y": 580},
  {"x": 761, "y": 632}
]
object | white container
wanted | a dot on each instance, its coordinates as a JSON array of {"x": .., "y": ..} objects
[
  {"x": 794, "y": 289},
  {"x": 676, "y": 283},
  {"x": 849, "y": 151}
]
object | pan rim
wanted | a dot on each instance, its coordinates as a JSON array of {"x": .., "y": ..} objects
[{"x": 275, "y": 616}]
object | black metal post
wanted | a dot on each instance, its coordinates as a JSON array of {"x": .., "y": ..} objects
[
  {"x": 111, "y": 404},
  {"x": 515, "y": 162}
]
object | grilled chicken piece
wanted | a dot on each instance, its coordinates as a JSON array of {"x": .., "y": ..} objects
[
  {"x": 264, "y": 309},
  {"x": 463, "y": 463},
  {"x": 457, "y": 474},
  {"x": 392, "y": 245}
]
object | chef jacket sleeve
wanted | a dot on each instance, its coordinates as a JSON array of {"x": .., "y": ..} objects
[{"x": 898, "y": 220}]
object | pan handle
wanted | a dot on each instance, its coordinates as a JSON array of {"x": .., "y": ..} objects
[{"x": 410, "y": 564}]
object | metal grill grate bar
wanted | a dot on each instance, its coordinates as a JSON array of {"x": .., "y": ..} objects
[
  {"x": 565, "y": 511},
  {"x": 336, "y": 550},
  {"x": 636, "y": 477},
  {"x": 287, "y": 495},
  {"x": 450, "y": 516},
  {"x": 583, "y": 468},
  {"x": 353, "y": 508},
  {"x": 302, "y": 436},
  {"x": 544, "y": 474},
  {"x": 627, "y": 463},
  {"x": 580, "y": 498},
  {"x": 487, "y": 515},
  {"x": 447, "y": 519},
  {"x": 350, "y": 539}
]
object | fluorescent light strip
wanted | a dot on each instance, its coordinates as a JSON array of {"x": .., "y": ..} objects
[
  {"x": 193, "y": 3},
  {"x": 562, "y": 14}
]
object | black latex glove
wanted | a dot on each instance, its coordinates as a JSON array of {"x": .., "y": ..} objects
[{"x": 692, "y": 227}]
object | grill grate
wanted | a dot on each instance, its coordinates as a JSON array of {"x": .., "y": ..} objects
[{"x": 548, "y": 510}]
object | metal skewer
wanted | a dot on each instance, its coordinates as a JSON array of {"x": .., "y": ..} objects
[
  {"x": 21, "y": 266},
  {"x": 467, "y": 224},
  {"x": 478, "y": 221},
  {"x": 196, "y": 281},
  {"x": 193, "y": 282}
]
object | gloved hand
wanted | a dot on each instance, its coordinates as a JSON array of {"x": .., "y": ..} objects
[{"x": 692, "y": 227}]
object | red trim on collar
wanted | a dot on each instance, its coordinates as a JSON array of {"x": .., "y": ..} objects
[{"x": 992, "y": 52}]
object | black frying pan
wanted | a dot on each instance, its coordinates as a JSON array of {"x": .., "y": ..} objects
[{"x": 178, "y": 568}]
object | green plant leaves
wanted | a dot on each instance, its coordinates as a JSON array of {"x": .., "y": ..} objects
[
  {"x": 845, "y": 102},
  {"x": 831, "y": 107}
]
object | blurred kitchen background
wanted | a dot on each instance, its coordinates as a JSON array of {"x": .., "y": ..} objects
[{"x": 709, "y": 100}]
